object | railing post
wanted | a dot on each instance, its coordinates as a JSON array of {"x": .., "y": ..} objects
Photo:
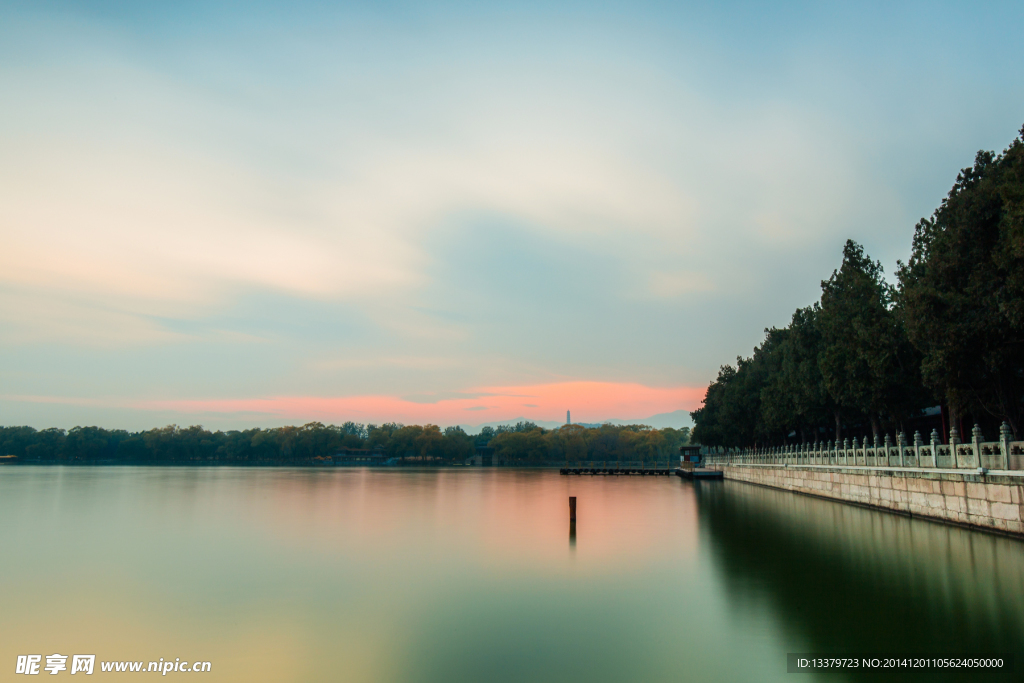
[
  {"x": 976, "y": 444},
  {"x": 935, "y": 447},
  {"x": 954, "y": 441},
  {"x": 901, "y": 443},
  {"x": 1004, "y": 444},
  {"x": 917, "y": 447}
]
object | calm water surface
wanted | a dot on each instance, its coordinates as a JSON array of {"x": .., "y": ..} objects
[{"x": 471, "y": 575}]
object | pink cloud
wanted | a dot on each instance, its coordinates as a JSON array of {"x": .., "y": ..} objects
[{"x": 589, "y": 401}]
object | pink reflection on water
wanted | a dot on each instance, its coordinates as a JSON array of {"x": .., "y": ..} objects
[{"x": 502, "y": 520}]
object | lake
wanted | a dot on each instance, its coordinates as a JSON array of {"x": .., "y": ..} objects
[{"x": 454, "y": 575}]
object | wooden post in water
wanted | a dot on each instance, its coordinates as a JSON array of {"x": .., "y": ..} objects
[{"x": 572, "y": 509}]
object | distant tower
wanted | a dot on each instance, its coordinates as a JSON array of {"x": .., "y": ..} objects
[{"x": 567, "y": 420}]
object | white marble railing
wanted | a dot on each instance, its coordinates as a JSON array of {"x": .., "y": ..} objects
[{"x": 1004, "y": 454}]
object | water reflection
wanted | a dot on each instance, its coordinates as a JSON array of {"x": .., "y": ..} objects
[
  {"x": 847, "y": 579},
  {"x": 449, "y": 576}
]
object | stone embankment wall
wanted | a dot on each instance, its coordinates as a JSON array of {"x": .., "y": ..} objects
[{"x": 989, "y": 501}]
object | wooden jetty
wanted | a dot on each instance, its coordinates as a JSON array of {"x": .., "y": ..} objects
[
  {"x": 690, "y": 461},
  {"x": 617, "y": 470},
  {"x": 699, "y": 473}
]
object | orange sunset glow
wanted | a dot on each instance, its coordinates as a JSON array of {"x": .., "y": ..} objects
[{"x": 590, "y": 401}]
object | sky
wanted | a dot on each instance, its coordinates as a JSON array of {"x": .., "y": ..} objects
[{"x": 254, "y": 214}]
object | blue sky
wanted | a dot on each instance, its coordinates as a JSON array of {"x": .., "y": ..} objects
[{"x": 236, "y": 214}]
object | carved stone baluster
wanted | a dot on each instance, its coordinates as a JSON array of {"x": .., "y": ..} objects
[
  {"x": 954, "y": 441},
  {"x": 976, "y": 445},
  {"x": 1004, "y": 444}
]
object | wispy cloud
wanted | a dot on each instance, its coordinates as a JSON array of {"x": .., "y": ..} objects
[{"x": 384, "y": 213}]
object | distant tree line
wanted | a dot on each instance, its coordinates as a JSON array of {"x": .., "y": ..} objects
[
  {"x": 523, "y": 443},
  {"x": 528, "y": 443},
  {"x": 868, "y": 355}
]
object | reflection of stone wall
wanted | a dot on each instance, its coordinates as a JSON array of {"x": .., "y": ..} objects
[
  {"x": 994, "y": 502},
  {"x": 845, "y": 579}
]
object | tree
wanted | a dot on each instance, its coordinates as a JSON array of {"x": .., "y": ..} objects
[
  {"x": 457, "y": 444},
  {"x": 961, "y": 293},
  {"x": 521, "y": 446},
  {"x": 866, "y": 360},
  {"x": 731, "y": 410},
  {"x": 430, "y": 442},
  {"x": 795, "y": 396},
  {"x": 484, "y": 437},
  {"x": 85, "y": 444},
  {"x": 573, "y": 441}
]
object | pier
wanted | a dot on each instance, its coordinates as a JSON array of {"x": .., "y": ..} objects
[
  {"x": 699, "y": 473},
  {"x": 618, "y": 469}
]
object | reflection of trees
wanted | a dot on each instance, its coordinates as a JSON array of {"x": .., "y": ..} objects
[{"x": 846, "y": 579}]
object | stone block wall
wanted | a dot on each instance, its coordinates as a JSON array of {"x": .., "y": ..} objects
[{"x": 993, "y": 502}]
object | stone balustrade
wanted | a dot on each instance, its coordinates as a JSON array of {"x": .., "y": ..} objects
[{"x": 1002, "y": 455}]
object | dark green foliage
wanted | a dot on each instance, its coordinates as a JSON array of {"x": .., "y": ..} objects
[
  {"x": 795, "y": 396},
  {"x": 576, "y": 442},
  {"x": 953, "y": 331},
  {"x": 313, "y": 443},
  {"x": 962, "y": 291},
  {"x": 845, "y": 358},
  {"x": 867, "y": 362}
]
